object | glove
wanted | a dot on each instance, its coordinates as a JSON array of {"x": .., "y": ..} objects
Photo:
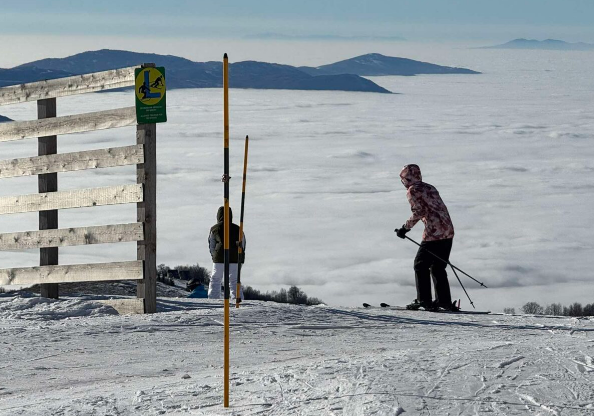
[{"x": 401, "y": 232}]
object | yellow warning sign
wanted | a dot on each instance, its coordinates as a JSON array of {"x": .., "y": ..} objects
[{"x": 150, "y": 95}]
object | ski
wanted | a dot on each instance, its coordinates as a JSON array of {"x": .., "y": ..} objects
[
  {"x": 402, "y": 308},
  {"x": 385, "y": 305}
]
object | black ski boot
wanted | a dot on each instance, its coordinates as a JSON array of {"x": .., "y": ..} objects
[
  {"x": 447, "y": 307},
  {"x": 416, "y": 305}
]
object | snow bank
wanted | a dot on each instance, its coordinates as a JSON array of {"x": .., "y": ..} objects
[{"x": 35, "y": 308}]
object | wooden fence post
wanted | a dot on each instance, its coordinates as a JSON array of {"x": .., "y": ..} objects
[
  {"x": 146, "y": 174},
  {"x": 48, "y": 183}
]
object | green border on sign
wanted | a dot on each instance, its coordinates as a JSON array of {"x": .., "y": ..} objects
[{"x": 151, "y": 95}]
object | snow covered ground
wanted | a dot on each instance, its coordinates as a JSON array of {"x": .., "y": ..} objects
[{"x": 74, "y": 357}]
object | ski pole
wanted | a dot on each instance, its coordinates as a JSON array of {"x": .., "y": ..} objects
[
  {"x": 463, "y": 288},
  {"x": 453, "y": 269},
  {"x": 240, "y": 243},
  {"x": 448, "y": 262}
]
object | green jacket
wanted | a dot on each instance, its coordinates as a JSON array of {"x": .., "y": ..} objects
[{"x": 216, "y": 239}]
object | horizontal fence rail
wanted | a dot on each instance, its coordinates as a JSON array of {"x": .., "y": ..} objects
[
  {"x": 100, "y": 120},
  {"x": 61, "y": 87},
  {"x": 68, "y": 162},
  {"x": 130, "y": 270},
  {"x": 118, "y": 233},
  {"x": 110, "y": 195}
]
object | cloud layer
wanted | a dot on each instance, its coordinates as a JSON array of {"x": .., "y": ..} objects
[{"x": 510, "y": 152}]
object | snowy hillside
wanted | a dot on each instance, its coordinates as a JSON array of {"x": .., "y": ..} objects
[{"x": 79, "y": 358}]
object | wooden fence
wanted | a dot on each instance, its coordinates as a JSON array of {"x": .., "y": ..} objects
[{"x": 48, "y": 163}]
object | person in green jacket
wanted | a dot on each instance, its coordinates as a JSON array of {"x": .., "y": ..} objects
[{"x": 216, "y": 244}]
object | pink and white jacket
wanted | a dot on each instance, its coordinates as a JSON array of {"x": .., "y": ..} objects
[{"x": 426, "y": 205}]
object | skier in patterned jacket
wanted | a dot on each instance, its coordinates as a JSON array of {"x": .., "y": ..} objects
[{"x": 427, "y": 206}]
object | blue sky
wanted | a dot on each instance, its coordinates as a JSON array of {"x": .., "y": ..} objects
[
  {"x": 236, "y": 18},
  {"x": 35, "y": 29}
]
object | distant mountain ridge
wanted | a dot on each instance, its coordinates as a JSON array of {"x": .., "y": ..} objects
[
  {"x": 20, "y": 75},
  {"x": 547, "y": 44},
  {"x": 183, "y": 73},
  {"x": 375, "y": 64}
]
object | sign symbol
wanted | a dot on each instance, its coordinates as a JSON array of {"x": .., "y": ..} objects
[
  {"x": 158, "y": 82},
  {"x": 145, "y": 88}
]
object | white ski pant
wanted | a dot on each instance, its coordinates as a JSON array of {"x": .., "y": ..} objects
[{"x": 216, "y": 280}]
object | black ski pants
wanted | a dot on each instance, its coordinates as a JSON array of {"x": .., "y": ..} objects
[{"x": 427, "y": 266}]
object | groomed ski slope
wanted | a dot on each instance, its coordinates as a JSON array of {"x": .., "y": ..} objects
[{"x": 75, "y": 357}]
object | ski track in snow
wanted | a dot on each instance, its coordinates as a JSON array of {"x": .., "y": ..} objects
[
  {"x": 505, "y": 363},
  {"x": 290, "y": 360}
]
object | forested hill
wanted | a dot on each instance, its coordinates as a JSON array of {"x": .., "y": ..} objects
[
  {"x": 184, "y": 73},
  {"x": 345, "y": 75},
  {"x": 375, "y": 64},
  {"x": 547, "y": 44}
]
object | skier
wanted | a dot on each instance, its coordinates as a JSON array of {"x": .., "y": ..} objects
[
  {"x": 144, "y": 90},
  {"x": 217, "y": 251},
  {"x": 158, "y": 83},
  {"x": 427, "y": 206}
]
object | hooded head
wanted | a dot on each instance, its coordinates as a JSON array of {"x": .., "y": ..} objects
[
  {"x": 221, "y": 215},
  {"x": 410, "y": 174}
]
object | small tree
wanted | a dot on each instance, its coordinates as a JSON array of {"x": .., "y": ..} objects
[
  {"x": 249, "y": 293},
  {"x": 162, "y": 270},
  {"x": 532, "y": 308},
  {"x": 509, "y": 311},
  {"x": 576, "y": 309},
  {"x": 195, "y": 273},
  {"x": 589, "y": 309},
  {"x": 555, "y": 309},
  {"x": 293, "y": 295},
  {"x": 296, "y": 296},
  {"x": 314, "y": 301}
]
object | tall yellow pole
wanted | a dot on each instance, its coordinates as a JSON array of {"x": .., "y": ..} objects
[
  {"x": 226, "y": 230},
  {"x": 240, "y": 245}
]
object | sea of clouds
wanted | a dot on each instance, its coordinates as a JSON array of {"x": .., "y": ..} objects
[{"x": 509, "y": 150}]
